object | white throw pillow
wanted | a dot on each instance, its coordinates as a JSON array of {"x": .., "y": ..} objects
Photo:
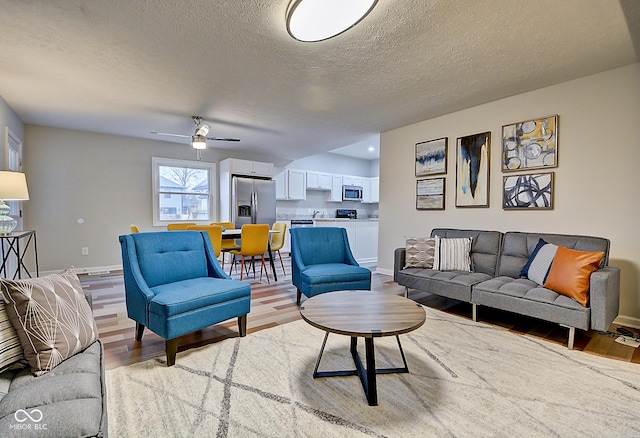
[{"x": 453, "y": 254}]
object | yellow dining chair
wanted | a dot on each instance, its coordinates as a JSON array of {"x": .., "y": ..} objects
[
  {"x": 179, "y": 226},
  {"x": 254, "y": 241},
  {"x": 215, "y": 235},
  {"x": 228, "y": 245},
  {"x": 134, "y": 228},
  {"x": 277, "y": 241}
]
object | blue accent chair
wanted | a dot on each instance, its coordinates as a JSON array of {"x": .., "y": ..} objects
[
  {"x": 174, "y": 285},
  {"x": 322, "y": 262}
]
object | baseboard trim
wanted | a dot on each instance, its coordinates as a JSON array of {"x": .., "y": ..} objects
[
  {"x": 384, "y": 271},
  {"x": 95, "y": 270},
  {"x": 627, "y": 321}
]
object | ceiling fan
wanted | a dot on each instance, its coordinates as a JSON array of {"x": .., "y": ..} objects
[{"x": 199, "y": 138}]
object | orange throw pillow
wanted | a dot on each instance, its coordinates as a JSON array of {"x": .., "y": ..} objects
[{"x": 571, "y": 271}]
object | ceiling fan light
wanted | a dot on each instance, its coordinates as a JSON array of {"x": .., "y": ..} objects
[
  {"x": 318, "y": 20},
  {"x": 203, "y": 130},
  {"x": 198, "y": 142}
]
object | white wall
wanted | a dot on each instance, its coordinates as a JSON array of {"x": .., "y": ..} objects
[
  {"x": 597, "y": 181},
  {"x": 8, "y": 119},
  {"x": 104, "y": 180}
]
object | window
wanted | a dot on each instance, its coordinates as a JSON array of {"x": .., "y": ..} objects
[{"x": 183, "y": 191}]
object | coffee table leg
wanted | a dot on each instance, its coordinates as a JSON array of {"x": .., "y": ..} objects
[{"x": 372, "y": 390}]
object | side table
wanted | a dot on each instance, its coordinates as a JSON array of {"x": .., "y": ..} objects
[{"x": 12, "y": 248}]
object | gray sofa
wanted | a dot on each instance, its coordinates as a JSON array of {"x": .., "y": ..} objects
[
  {"x": 68, "y": 401},
  {"x": 497, "y": 260}
]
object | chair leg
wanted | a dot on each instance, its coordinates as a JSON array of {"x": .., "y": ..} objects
[
  {"x": 242, "y": 325},
  {"x": 233, "y": 262},
  {"x": 139, "y": 331},
  {"x": 282, "y": 263},
  {"x": 171, "y": 348},
  {"x": 299, "y": 296},
  {"x": 241, "y": 266},
  {"x": 264, "y": 267}
]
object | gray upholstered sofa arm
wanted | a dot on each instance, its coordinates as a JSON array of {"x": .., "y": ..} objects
[
  {"x": 604, "y": 297},
  {"x": 399, "y": 260}
]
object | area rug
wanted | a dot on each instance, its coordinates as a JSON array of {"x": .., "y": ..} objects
[{"x": 466, "y": 379}]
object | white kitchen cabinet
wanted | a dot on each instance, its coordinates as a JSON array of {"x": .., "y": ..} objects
[
  {"x": 336, "y": 189},
  {"x": 246, "y": 167},
  {"x": 348, "y": 180},
  {"x": 291, "y": 185},
  {"x": 366, "y": 239},
  {"x": 375, "y": 189},
  {"x": 362, "y": 235},
  {"x": 371, "y": 190},
  {"x": 318, "y": 181}
]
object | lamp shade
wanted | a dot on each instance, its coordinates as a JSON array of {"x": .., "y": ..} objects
[{"x": 13, "y": 186}]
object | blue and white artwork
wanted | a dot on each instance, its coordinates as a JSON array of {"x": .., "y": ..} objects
[
  {"x": 472, "y": 170},
  {"x": 528, "y": 191},
  {"x": 431, "y": 157}
]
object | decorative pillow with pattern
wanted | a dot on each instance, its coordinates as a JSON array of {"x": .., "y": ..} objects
[
  {"x": 420, "y": 252},
  {"x": 10, "y": 348},
  {"x": 453, "y": 254},
  {"x": 539, "y": 263},
  {"x": 51, "y": 317}
]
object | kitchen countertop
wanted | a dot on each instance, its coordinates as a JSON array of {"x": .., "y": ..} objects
[{"x": 331, "y": 219}]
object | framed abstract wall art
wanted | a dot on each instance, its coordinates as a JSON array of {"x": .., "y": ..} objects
[
  {"x": 532, "y": 144},
  {"x": 431, "y": 157},
  {"x": 430, "y": 194},
  {"x": 472, "y": 170},
  {"x": 525, "y": 192}
]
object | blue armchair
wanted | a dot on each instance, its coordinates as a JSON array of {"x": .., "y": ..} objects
[
  {"x": 322, "y": 262},
  {"x": 174, "y": 285}
]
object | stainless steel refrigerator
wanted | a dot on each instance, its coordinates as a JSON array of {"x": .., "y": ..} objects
[{"x": 253, "y": 201}]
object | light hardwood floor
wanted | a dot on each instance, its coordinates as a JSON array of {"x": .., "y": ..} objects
[{"x": 274, "y": 304}]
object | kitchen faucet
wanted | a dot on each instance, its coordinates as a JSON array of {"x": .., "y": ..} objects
[{"x": 315, "y": 212}]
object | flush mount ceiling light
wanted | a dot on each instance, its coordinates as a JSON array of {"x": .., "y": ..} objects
[{"x": 318, "y": 20}]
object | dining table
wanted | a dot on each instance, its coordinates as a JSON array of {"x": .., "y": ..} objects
[{"x": 236, "y": 233}]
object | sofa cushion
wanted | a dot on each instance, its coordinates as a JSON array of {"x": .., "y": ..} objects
[
  {"x": 453, "y": 254},
  {"x": 188, "y": 295},
  {"x": 70, "y": 398},
  {"x": 51, "y": 316},
  {"x": 334, "y": 273},
  {"x": 571, "y": 271},
  {"x": 539, "y": 263},
  {"x": 420, "y": 252},
  {"x": 10, "y": 348}
]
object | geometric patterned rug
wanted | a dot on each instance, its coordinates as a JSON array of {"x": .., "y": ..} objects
[{"x": 466, "y": 379}]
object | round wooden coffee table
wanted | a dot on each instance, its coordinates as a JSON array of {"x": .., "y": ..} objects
[{"x": 362, "y": 314}]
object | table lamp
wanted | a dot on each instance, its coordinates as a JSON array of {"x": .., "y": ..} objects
[{"x": 13, "y": 187}]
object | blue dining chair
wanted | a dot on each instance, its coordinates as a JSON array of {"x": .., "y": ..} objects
[
  {"x": 321, "y": 261},
  {"x": 174, "y": 285}
]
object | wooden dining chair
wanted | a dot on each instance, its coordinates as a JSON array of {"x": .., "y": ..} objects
[
  {"x": 179, "y": 226},
  {"x": 277, "y": 241},
  {"x": 254, "y": 241},
  {"x": 134, "y": 228},
  {"x": 215, "y": 235}
]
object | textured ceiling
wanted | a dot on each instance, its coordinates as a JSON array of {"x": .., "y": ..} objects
[{"x": 131, "y": 67}]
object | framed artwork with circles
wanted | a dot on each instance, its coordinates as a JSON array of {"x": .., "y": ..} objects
[{"x": 530, "y": 144}]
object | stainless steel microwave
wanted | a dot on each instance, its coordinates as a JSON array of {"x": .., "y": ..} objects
[{"x": 351, "y": 193}]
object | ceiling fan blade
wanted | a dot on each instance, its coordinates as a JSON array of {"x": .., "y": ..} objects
[
  {"x": 223, "y": 139},
  {"x": 170, "y": 135}
]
